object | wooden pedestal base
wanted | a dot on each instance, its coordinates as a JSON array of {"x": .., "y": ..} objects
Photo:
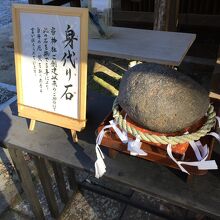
[{"x": 154, "y": 153}]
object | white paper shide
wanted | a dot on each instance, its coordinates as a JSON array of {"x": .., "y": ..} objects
[{"x": 50, "y": 62}]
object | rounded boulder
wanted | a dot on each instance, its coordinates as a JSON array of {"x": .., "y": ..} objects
[{"x": 162, "y": 99}]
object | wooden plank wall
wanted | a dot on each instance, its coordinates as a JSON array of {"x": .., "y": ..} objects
[
  {"x": 203, "y": 13},
  {"x": 186, "y": 6}
]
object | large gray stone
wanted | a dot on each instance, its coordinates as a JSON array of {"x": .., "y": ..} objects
[{"x": 161, "y": 99}]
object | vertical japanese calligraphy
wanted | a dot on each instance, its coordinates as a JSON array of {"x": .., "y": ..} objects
[
  {"x": 46, "y": 56},
  {"x": 54, "y": 74},
  {"x": 33, "y": 33},
  {"x": 69, "y": 54}
]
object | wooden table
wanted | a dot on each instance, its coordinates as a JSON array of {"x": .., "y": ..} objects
[
  {"x": 161, "y": 47},
  {"x": 55, "y": 144}
]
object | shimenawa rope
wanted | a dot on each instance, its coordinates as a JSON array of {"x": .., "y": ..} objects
[{"x": 173, "y": 140}]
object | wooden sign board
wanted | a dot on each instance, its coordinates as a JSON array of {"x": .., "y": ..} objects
[{"x": 51, "y": 47}]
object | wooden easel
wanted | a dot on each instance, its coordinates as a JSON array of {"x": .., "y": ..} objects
[{"x": 26, "y": 108}]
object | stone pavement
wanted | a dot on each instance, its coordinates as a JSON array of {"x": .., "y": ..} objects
[{"x": 85, "y": 204}]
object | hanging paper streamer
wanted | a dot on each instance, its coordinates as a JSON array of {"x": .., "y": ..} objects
[
  {"x": 203, "y": 164},
  {"x": 122, "y": 135},
  {"x": 133, "y": 146},
  {"x": 201, "y": 153},
  {"x": 100, "y": 167}
]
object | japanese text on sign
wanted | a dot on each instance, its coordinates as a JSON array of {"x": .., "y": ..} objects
[{"x": 50, "y": 66}]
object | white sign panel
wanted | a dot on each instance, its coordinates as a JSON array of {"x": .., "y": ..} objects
[{"x": 50, "y": 47}]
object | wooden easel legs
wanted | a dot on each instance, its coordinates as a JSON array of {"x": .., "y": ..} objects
[
  {"x": 74, "y": 135},
  {"x": 32, "y": 125},
  {"x": 73, "y": 132}
]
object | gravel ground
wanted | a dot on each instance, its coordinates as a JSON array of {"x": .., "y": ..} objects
[{"x": 5, "y": 95}]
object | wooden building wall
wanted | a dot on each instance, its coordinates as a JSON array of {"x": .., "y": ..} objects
[
  {"x": 204, "y": 13},
  {"x": 210, "y": 7}
]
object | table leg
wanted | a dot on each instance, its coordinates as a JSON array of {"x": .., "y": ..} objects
[
  {"x": 112, "y": 153},
  {"x": 72, "y": 179},
  {"x": 189, "y": 179},
  {"x": 47, "y": 186},
  {"x": 26, "y": 181},
  {"x": 57, "y": 169}
]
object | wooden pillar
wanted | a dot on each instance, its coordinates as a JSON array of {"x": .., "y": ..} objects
[
  {"x": 160, "y": 15},
  {"x": 166, "y": 15},
  {"x": 173, "y": 15}
]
